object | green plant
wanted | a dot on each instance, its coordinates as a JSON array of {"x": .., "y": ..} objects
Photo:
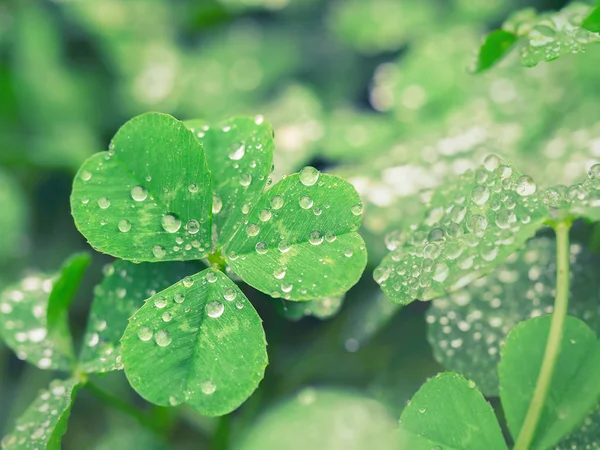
[
  {"x": 173, "y": 191},
  {"x": 546, "y": 374}
]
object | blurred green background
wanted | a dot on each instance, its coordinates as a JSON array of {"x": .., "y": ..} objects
[{"x": 377, "y": 91}]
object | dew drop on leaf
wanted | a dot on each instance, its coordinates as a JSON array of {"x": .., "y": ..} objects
[
  {"x": 357, "y": 209},
  {"x": 208, "y": 387},
  {"x": 237, "y": 150},
  {"x": 193, "y": 188},
  {"x": 160, "y": 302},
  {"x": 171, "y": 223},
  {"x": 178, "y": 298},
  {"x": 309, "y": 176},
  {"x": 193, "y": 226},
  {"x": 315, "y": 237},
  {"x": 305, "y": 202},
  {"x": 159, "y": 251},
  {"x": 261, "y": 248},
  {"x": 284, "y": 246},
  {"x": 229, "y": 294},
  {"x": 214, "y": 309},
  {"x": 167, "y": 316},
  {"x": 252, "y": 229},
  {"x": 211, "y": 277},
  {"x": 525, "y": 186},
  {"x": 217, "y": 204},
  {"x": 103, "y": 202},
  {"x": 86, "y": 175},
  {"x": 162, "y": 338},
  {"x": 139, "y": 193},
  {"x": 145, "y": 333},
  {"x": 124, "y": 226},
  {"x": 264, "y": 215},
  {"x": 277, "y": 202},
  {"x": 188, "y": 282}
]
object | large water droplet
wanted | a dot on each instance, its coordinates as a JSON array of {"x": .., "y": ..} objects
[
  {"x": 103, "y": 202},
  {"x": 124, "y": 226},
  {"x": 315, "y": 237},
  {"x": 145, "y": 333},
  {"x": 284, "y": 246},
  {"x": 160, "y": 302},
  {"x": 252, "y": 229},
  {"x": 171, "y": 223},
  {"x": 193, "y": 226},
  {"x": 229, "y": 294},
  {"x": 237, "y": 150},
  {"x": 162, "y": 338},
  {"x": 211, "y": 277},
  {"x": 214, "y": 309},
  {"x": 86, "y": 175},
  {"x": 217, "y": 204},
  {"x": 309, "y": 176},
  {"x": 208, "y": 387},
  {"x": 159, "y": 251},
  {"x": 261, "y": 248},
  {"x": 139, "y": 193},
  {"x": 277, "y": 202},
  {"x": 305, "y": 202},
  {"x": 264, "y": 215},
  {"x": 188, "y": 282},
  {"x": 525, "y": 186}
]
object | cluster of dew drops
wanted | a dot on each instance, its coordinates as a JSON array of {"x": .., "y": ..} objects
[
  {"x": 552, "y": 36},
  {"x": 213, "y": 310},
  {"x": 488, "y": 207}
]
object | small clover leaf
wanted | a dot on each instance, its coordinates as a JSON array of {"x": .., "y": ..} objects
[
  {"x": 198, "y": 342},
  {"x": 468, "y": 327},
  {"x": 301, "y": 240},
  {"x": 449, "y": 412},
  {"x": 472, "y": 226},
  {"x": 573, "y": 392},
  {"x": 33, "y": 319},
  {"x": 239, "y": 153},
  {"x": 149, "y": 197},
  {"x": 543, "y": 37},
  {"x": 323, "y": 419},
  {"x": 44, "y": 422},
  {"x": 121, "y": 293}
]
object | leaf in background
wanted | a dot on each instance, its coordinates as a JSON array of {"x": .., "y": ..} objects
[
  {"x": 149, "y": 197},
  {"x": 468, "y": 327},
  {"x": 239, "y": 153},
  {"x": 574, "y": 390},
  {"x": 322, "y": 420},
  {"x": 592, "y": 21},
  {"x": 579, "y": 200},
  {"x": 198, "y": 342},
  {"x": 448, "y": 412},
  {"x": 44, "y": 423},
  {"x": 585, "y": 437},
  {"x": 301, "y": 240},
  {"x": 13, "y": 220},
  {"x": 496, "y": 44},
  {"x": 121, "y": 293},
  {"x": 321, "y": 308},
  {"x": 472, "y": 226},
  {"x": 26, "y": 308},
  {"x": 546, "y": 36}
]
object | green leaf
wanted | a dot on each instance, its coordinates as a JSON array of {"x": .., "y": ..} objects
[
  {"x": 149, "y": 197},
  {"x": 321, "y": 308},
  {"x": 301, "y": 241},
  {"x": 448, "y": 412},
  {"x": 472, "y": 225},
  {"x": 64, "y": 290},
  {"x": 122, "y": 292},
  {"x": 44, "y": 423},
  {"x": 546, "y": 36},
  {"x": 322, "y": 420},
  {"x": 239, "y": 153},
  {"x": 496, "y": 44},
  {"x": 574, "y": 389},
  {"x": 27, "y": 307},
  {"x": 592, "y": 21},
  {"x": 198, "y": 342},
  {"x": 467, "y": 328}
]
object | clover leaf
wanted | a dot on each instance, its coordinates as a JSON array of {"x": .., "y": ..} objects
[
  {"x": 44, "y": 422},
  {"x": 468, "y": 327},
  {"x": 33, "y": 319},
  {"x": 122, "y": 292},
  {"x": 198, "y": 342},
  {"x": 573, "y": 391},
  {"x": 449, "y": 412},
  {"x": 471, "y": 226},
  {"x": 543, "y": 37}
]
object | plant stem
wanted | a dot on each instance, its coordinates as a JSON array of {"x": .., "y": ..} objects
[
  {"x": 120, "y": 405},
  {"x": 561, "y": 303}
]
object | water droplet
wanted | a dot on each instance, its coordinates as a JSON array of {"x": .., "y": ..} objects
[
  {"x": 124, "y": 226},
  {"x": 348, "y": 252},
  {"x": 193, "y": 226},
  {"x": 440, "y": 272},
  {"x": 214, "y": 309},
  {"x": 139, "y": 193},
  {"x": 237, "y": 150},
  {"x": 217, "y": 204},
  {"x": 305, "y": 202},
  {"x": 525, "y": 186},
  {"x": 258, "y": 120},
  {"x": 480, "y": 195},
  {"x": 103, "y": 202},
  {"x": 261, "y": 248},
  {"x": 594, "y": 175},
  {"x": 277, "y": 202},
  {"x": 229, "y": 294},
  {"x": 309, "y": 176},
  {"x": 279, "y": 273},
  {"x": 211, "y": 277},
  {"x": 188, "y": 282},
  {"x": 145, "y": 333},
  {"x": 86, "y": 175},
  {"x": 284, "y": 246},
  {"x": 286, "y": 287},
  {"x": 193, "y": 188},
  {"x": 162, "y": 338},
  {"x": 178, "y": 298},
  {"x": 159, "y": 251},
  {"x": 252, "y": 229},
  {"x": 264, "y": 215},
  {"x": 160, "y": 302},
  {"x": 171, "y": 223},
  {"x": 357, "y": 209},
  {"x": 330, "y": 236},
  {"x": 167, "y": 316},
  {"x": 208, "y": 387},
  {"x": 491, "y": 162},
  {"x": 315, "y": 237}
]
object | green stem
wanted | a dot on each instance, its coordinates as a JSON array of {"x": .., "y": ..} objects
[
  {"x": 561, "y": 303},
  {"x": 120, "y": 405}
]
